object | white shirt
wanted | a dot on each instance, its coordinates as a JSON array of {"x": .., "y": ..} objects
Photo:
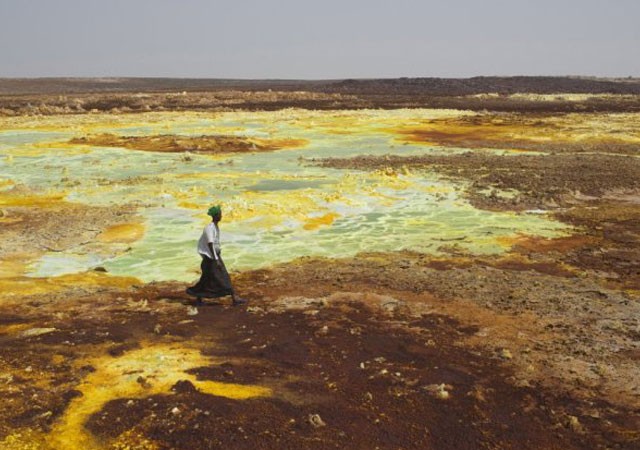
[{"x": 210, "y": 234}]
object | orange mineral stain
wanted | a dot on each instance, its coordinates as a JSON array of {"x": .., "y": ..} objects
[
  {"x": 316, "y": 222},
  {"x": 122, "y": 233}
]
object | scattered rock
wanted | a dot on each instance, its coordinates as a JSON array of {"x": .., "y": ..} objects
[
  {"x": 31, "y": 332},
  {"x": 574, "y": 424},
  {"x": 505, "y": 353},
  {"x": 316, "y": 421},
  {"x": 438, "y": 390},
  {"x": 255, "y": 310},
  {"x": 142, "y": 381},
  {"x": 183, "y": 387}
]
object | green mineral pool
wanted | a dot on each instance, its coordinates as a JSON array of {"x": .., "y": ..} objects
[{"x": 277, "y": 206}]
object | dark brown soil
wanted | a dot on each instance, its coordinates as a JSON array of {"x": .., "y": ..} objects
[
  {"x": 362, "y": 407},
  {"x": 370, "y": 367}
]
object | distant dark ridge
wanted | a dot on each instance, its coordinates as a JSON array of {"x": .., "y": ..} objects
[
  {"x": 500, "y": 85},
  {"x": 407, "y": 86}
]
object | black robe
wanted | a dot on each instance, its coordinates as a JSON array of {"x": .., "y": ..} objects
[{"x": 214, "y": 281}]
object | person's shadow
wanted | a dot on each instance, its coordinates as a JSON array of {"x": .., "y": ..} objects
[{"x": 179, "y": 296}]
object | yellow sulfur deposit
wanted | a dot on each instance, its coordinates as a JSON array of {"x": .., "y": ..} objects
[
  {"x": 15, "y": 287},
  {"x": 316, "y": 222},
  {"x": 161, "y": 366}
]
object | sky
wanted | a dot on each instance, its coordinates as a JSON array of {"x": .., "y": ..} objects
[{"x": 321, "y": 39}]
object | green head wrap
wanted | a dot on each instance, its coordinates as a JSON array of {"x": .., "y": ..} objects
[{"x": 214, "y": 211}]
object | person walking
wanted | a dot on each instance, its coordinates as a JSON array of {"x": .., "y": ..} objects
[{"x": 214, "y": 281}]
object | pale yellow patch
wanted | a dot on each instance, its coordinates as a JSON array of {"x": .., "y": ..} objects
[
  {"x": 5, "y": 182},
  {"x": 45, "y": 148},
  {"x": 25, "y": 439},
  {"x": 190, "y": 205},
  {"x": 20, "y": 286},
  {"x": 271, "y": 207}
]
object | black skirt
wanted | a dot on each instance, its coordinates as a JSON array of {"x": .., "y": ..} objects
[{"x": 214, "y": 281}]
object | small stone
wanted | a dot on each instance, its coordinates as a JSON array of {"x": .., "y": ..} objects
[
  {"x": 192, "y": 311},
  {"x": 183, "y": 387},
  {"x": 45, "y": 415},
  {"x": 438, "y": 390},
  {"x": 36, "y": 332},
  {"x": 442, "y": 394},
  {"x": 130, "y": 403},
  {"x": 175, "y": 411},
  {"x": 142, "y": 381},
  {"x": 316, "y": 421},
  {"x": 505, "y": 353},
  {"x": 575, "y": 424},
  {"x": 368, "y": 396}
]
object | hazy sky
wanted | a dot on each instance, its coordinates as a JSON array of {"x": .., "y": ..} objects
[{"x": 318, "y": 39}]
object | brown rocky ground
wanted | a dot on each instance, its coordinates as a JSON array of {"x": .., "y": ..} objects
[
  {"x": 212, "y": 144},
  {"x": 538, "y": 132},
  {"x": 389, "y": 350},
  {"x": 72, "y": 96}
]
